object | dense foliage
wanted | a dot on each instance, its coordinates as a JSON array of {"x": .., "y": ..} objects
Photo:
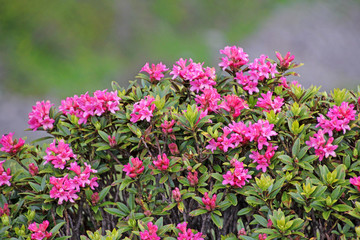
[{"x": 185, "y": 153}]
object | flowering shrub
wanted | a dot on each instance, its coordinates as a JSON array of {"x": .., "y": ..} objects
[{"x": 185, "y": 153}]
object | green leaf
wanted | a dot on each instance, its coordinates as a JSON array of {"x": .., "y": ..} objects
[
  {"x": 217, "y": 220},
  {"x": 56, "y": 228},
  {"x": 60, "y": 210},
  {"x": 197, "y": 212},
  {"x": 103, "y": 193},
  {"x": 244, "y": 211},
  {"x": 296, "y": 147},
  {"x": 261, "y": 220},
  {"x": 344, "y": 219},
  {"x": 342, "y": 208},
  {"x": 232, "y": 199},
  {"x": 36, "y": 187},
  {"x": 104, "y": 136},
  {"x": 126, "y": 183},
  {"x": 115, "y": 212}
]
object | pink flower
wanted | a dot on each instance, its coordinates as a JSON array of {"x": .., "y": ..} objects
[
  {"x": 39, "y": 233},
  {"x": 112, "y": 141},
  {"x": 210, "y": 203},
  {"x": 285, "y": 61},
  {"x": 167, "y": 126},
  {"x": 173, "y": 148},
  {"x": 59, "y": 155},
  {"x": 95, "y": 198},
  {"x": 39, "y": 116},
  {"x": 4, "y": 175},
  {"x": 162, "y": 162},
  {"x": 187, "y": 234},
  {"x": 269, "y": 224},
  {"x": 136, "y": 168},
  {"x": 235, "y": 58},
  {"x": 234, "y": 104},
  {"x": 262, "y": 236},
  {"x": 208, "y": 100},
  {"x": 242, "y": 232},
  {"x": 356, "y": 182},
  {"x": 262, "y": 68},
  {"x": 176, "y": 194},
  {"x": 322, "y": 148},
  {"x": 150, "y": 234},
  {"x": 63, "y": 189},
  {"x": 5, "y": 210},
  {"x": 33, "y": 169},
  {"x": 83, "y": 178},
  {"x": 268, "y": 104},
  {"x": 155, "y": 72},
  {"x": 143, "y": 109},
  {"x": 249, "y": 82},
  {"x": 193, "y": 178},
  {"x": 237, "y": 176},
  {"x": 9, "y": 145},
  {"x": 212, "y": 145}
]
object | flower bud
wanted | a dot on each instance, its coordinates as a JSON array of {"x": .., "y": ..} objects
[
  {"x": 112, "y": 141},
  {"x": 94, "y": 198},
  {"x": 173, "y": 148},
  {"x": 242, "y": 232},
  {"x": 33, "y": 169},
  {"x": 176, "y": 194}
]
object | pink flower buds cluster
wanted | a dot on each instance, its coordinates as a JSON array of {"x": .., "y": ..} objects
[
  {"x": 136, "y": 168},
  {"x": 59, "y": 155},
  {"x": 233, "y": 104},
  {"x": 193, "y": 178},
  {"x": 263, "y": 161},
  {"x": 187, "y": 234},
  {"x": 95, "y": 198},
  {"x": 176, "y": 194},
  {"x": 210, "y": 203},
  {"x": 268, "y": 104},
  {"x": 173, "y": 148},
  {"x": 262, "y": 236},
  {"x": 150, "y": 234},
  {"x": 237, "y": 176},
  {"x": 143, "y": 109},
  {"x": 85, "y": 106},
  {"x": 5, "y": 210},
  {"x": 112, "y": 141},
  {"x": 40, "y": 233},
  {"x": 322, "y": 147},
  {"x": 199, "y": 78},
  {"x": 155, "y": 72},
  {"x": 167, "y": 128},
  {"x": 162, "y": 162},
  {"x": 4, "y": 175},
  {"x": 33, "y": 169},
  {"x": 39, "y": 116},
  {"x": 235, "y": 58},
  {"x": 9, "y": 145},
  {"x": 285, "y": 61}
]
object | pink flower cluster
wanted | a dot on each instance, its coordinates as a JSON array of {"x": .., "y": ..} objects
[
  {"x": 199, "y": 78},
  {"x": 167, "y": 128},
  {"x": 85, "y": 106},
  {"x": 4, "y": 175},
  {"x": 284, "y": 83},
  {"x": 59, "y": 155},
  {"x": 9, "y": 145},
  {"x": 238, "y": 176},
  {"x": 39, "y": 116},
  {"x": 235, "y": 58},
  {"x": 176, "y": 194},
  {"x": 340, "y": 117},
  {"x": 162, "y": 162},
  {"x": 187, "y": 234},
  {"x": 260, "y": 70},
  {"x": 208, "y": 100},
  {"x": 356, "y": 182},
  {"x": 263, "y": 161},
  {"x": 143, "y": 109},
  {"x": 210, "y": 203},
  {"x": 136, "y": 168},
  {"x": 150, "y": 234},
  {"x": 262, "y": 236},
  {"x": 83, "y": 177},
  {"x": 40, "y": 233},
  {"x": 192, "y": 177},
  {"x": 5, "y": 210},
  {"x": 233, "y": 104},
  {"x": 155, "y": 72},
  {"x": 285, "y": 61},
  {"x": 268, "y": 104},
  {"x": 238, "y": 133},
  {"x": 322, "y": 147},
  {"x": 33, "y": 169}
]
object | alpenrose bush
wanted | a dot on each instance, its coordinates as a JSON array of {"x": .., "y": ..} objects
[{"x": 188, "y": 153}]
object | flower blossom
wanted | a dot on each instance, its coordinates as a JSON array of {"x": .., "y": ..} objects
[
  {"x": 234, "y": 104},
  {"x": 193, "y": 178},
  {"x": 235, "y": 58},
  {"x": 187, "y": 234},
  {"x": 322, "y": 147},
  {"x": 143, "y": 109},
  {"x": 268, "y": 104},
  {"x": 59, "y": 155},
  {"x": 208, "y": 100},
  {"x": 155, "y": 72},
  {"x": 9, "y": 145},
  {"x": 237, "y": 176},
  {"x": 356, "y": 182},
  {"x": 83, "y": 178},
  {"x": 5, "y": 210},
  {"x": 285, "y": 61},
  {"x": 173, "y": 148},
  {"x": 4, "y": 175},
  {"x": 150, "y": 234},
  {"x": 39, "y": 116},
  {"x": 162, "y": 162},
  {"x": 167, "y": 128},
  {"x": 33, "y": 169},
  {"x": 263, "y": 161},
  {"x": 262, "y": 236},
  {"x": 40, "y": 233},
  {"x": 210, "y": 203},
  {"x": 136, "y": 168},
  {"x": 176, "y": 194},
  {"x": 63, "y": 189}
]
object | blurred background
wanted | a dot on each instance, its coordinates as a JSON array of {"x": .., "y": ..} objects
[{"x": 54, "y": 49}]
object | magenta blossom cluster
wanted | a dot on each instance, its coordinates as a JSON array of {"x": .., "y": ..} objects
[
  {"x": 199, "y": 78},
  {"x": 192, "y": 177},
  {"x": 143, "y": 109},
  {"x": 162, "y": 162},
  {"x": 233, "y": 104},
  {"x": 9, "y": 145},
  {"x": 237, "y": 176},
  {"x": 209, "y": 202},
  {"x": 176, "y": 194},
  {"x": 356, "y": 182},
  {"x": 263, "y": 161},
  {"x": 39, "y": 116},
  {"x": 5, "y": 210},
  {"x": 286, "y": 60},
  {"x": 208, "y": 100},
  {"x": 150, "y": 234},
  {"x": 167, "y": 128},
  {"x": 259, "y": 70},
  {"x": 33, "y": 169},
  {"x": 187, "y": 234},
  {"x": 136, "y": 168},
  {"x": 268, "y": 104},
  {"x": 40, "y": 233},
  {"x": 322, "y": 147},
  {"x": 155, "y": 72},
  {"x": 85, "y": 106},
  {"x": 82, "y": 178},
  {"x": 59, "y": 155},
  {"x": 340, "y": 117},
  {"x": 235, "y": 58},
  {"x": 4, "y": 175}
]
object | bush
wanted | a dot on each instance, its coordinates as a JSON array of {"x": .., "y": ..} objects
[{"x": 194, "y": 155}]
